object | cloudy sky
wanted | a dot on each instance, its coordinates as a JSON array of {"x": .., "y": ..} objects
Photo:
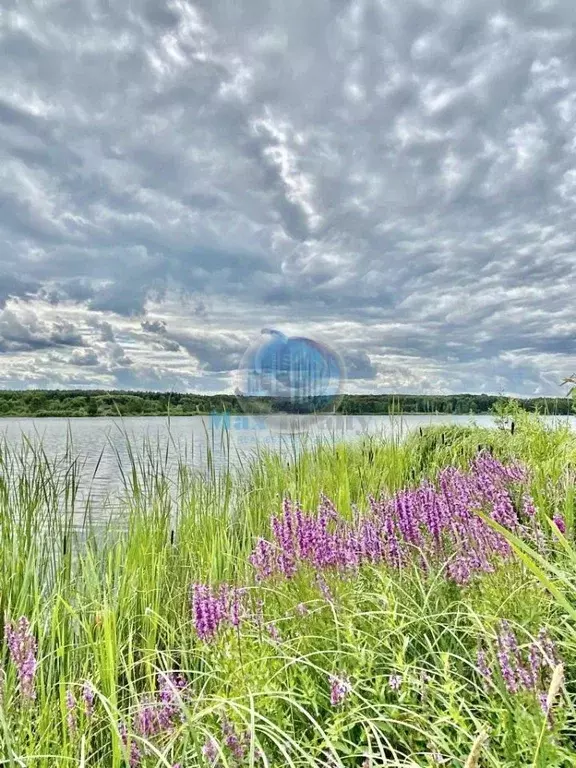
[{"x": 394, "y": 177}]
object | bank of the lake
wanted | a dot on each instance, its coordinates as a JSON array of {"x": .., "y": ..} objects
[{"x": 366, "y": 602}]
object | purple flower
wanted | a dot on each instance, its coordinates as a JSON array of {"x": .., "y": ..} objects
[
  {"x": 339, "y": 689},
  {"x": 324, "y": 588},
  {"x": 88, "y": 698},
  {"x": 208, "y": 612},
  {"x": 148, "y": 721},
  {"x": 274, "y": 632},
  {"x": 71, "y": 708},
  {"x": 235, "y": 744},
  {"x": 215, "y": 609},
  {"x": 528, "y": 507},
  {"x": 482, "y": 663},
  {"x": 22, "y": 648},
  {"x": 427, "y": 525},
  {"x": 135, "y": 756},
  {"x": 560, "y": 523},
  {"x": 507, "y": 652},
  {"x": 524, "y": 670},
  {"x": 171, "y": 686},
  {"x": 263, "y": 559},
  {"x": 546, "y": 648},
  {"x": 210, "y": 751},
  {"x": 546, "y": 710},
  {"x": 395, "y": 682},
  {"x": 459, "y": 570}
]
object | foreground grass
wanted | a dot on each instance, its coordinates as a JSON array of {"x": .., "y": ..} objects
[{"x": 111, "y": 614}]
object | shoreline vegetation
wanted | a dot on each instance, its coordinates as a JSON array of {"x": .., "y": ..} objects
[
  {"x": 355, "y": 605},
  {"x": 94, "y": 403}
]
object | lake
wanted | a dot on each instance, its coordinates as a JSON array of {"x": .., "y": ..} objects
[{"x": 203, "y": 443}]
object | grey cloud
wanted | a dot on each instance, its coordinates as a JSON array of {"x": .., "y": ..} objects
[
  {"x": 216, "y": 353},
  {"x": 168, "y": 345},
  {"x": 12, "y": 286},
  {"x": 118, "y": 356},
  {"x": 65, "y": 334},
  {"x": 23, "y": 330},
  {"x": 106, "y": 332},
  {"x": 398, "y": 176},
  {"x": 84, "y": 358},
  {"x": 121, "y": 298},
  {"x": 153, "y": 326},
  {"x": 358, "y": 365}
]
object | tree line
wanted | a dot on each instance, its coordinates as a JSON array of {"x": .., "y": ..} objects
[{"x": 72, "y": 403}]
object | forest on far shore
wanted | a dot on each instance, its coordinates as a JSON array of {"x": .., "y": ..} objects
[{"x": 69, "y": 403}]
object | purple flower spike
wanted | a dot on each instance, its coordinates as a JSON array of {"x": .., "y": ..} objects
[
  {"x": 339, "y": 689},
  {"x": 235, "y": 744},
  {"x": 88, "y": 698},
  {"x": 215, "y": 609},
  {"x": 482, "y": 663},
  {"x": 560, "y": 523},
  {"x": 22, "y": 648},
  {"x": 274, "y": 632},
  {"x": 71, "y": 708},
  {"x": 508, "y": 657},
  {"x": 135, "y": 757},
  {"x": 210, "y": 751}
]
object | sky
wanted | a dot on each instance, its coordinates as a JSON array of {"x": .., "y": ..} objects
[{"x": 394, "y": 178}]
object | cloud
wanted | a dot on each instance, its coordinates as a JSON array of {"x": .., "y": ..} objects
[
  {"x": 396, "y": 177},
  {"x": 153, "y": 326},
  {"x": 167, "y": 345},
  {"x": 86, "y": 357},
  {"x": 106, "y": 331},
  {"x": 65, "y": 334},
  {"x": 215, "y": 353},
  {"x": 359, "y": 366},
  {"x": 22, "y": 330},
  {"x": 11, "y": 286},
  {"x": 118, "y": 356}
]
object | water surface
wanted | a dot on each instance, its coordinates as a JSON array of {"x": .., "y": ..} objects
[{"x": 202, "y": 443}]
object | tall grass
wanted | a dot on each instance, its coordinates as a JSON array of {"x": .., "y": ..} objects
[{"x": 112, "y": 606}]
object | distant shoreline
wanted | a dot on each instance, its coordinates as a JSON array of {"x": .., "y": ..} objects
[{"x": 114, "y": 403}]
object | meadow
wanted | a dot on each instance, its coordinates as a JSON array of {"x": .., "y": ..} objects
[{"x": 379, "y": 603}]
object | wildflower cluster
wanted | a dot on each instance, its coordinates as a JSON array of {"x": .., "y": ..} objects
[
  {"x": 156, "y": 716},
  {"x": 340, "y": 687},
  {"x": 522, "y": 670},
  {"x": 433, "y": 523},
  {"x": 235, "y": 745},
  {"x": 213, "y": 609}
]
